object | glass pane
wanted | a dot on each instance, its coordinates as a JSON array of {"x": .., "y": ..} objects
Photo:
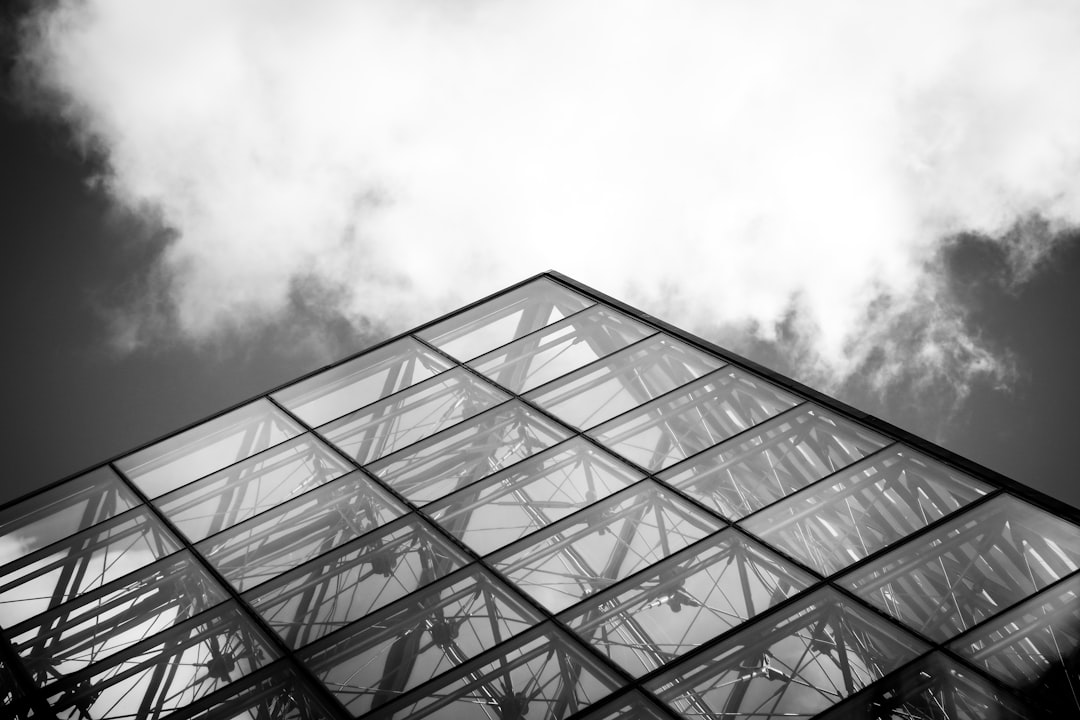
[
  {"x": 539, "y": 674},
  {"x": 300, "y": 530},
  {"x": 933, "y": 688},
  {"x": 602, "y": 544},
  {"x": 1034, "y": 646},
  {"x": 692, "y": 419},
  {"x": 503, "y": 319},
  {"x": 461, "y": 455},
  {"x": 170, "y": 670},
  {"x": 567, "y": 345},
  {"x": 59, "y": 572},
  {"x": 97, "y": 624},
  {"x": 792, "y": 664},
  {"x": 65, "y": 510},
  {"x": 944, "y": 582},
  {"x": 359, "y": 382},
  {"x": 247, "y": 488},
  {"x": 211, "y": 446},
  {"x": 884, "y": 499},
  {"x": 685, "y": 601},
  {"x": 347, "y": 583},
  {"x": 418, "y": 638},
  {"x": 275, "y": 692},
  {"x": 411, "y": 415},
  {"x": 785, "y": 454},
  {"x": 531, "y": 495},
  {"x": 623, "y": 381}
]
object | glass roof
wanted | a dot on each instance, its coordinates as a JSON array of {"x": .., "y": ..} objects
[{"x": 545, "y": 505}]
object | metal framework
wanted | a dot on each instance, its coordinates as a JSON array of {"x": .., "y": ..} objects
[{"x": 544, "y": 505}]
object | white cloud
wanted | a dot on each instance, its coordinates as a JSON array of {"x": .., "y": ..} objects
[{"x": 734, "y": 164}]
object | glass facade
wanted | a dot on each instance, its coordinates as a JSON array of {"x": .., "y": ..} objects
[{"x": 546, "y": 505}]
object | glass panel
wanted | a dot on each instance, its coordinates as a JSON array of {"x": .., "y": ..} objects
[
  {"x": 411, "y": 415},
  {"x": 531, "y": 495},
  {"x": 62, "y": 511},
  {"x": 97, "y": 624},
  {"x": 567, "y": 345},
  {"x": 602, "y": 544},
  {"x": 539, "y": 674},
  {"x": 353, "y": 580},
  {"x": 55, "y": 574},
  {"x": 252, "y": 486},
  {"x": 692, "y": 419},
  {"x": 792, "y": 664},
  {"x": 300, "y": 530},
  {"x": 933, "y": 688},
  {"x": 503, "y": 319},
  {"x": 275, "y": 692},
  {"x": 170, "y": 670},
  {"x": 418, "y": 638},
  {"x": 785, "y": 454},
  {"x": 461, "y": 455},
  {"x": 685, "y": 601},
  {"x": 884, "y": 499},
  {"x": 359, "y": 382},
  {"x": 623, "y": 381},
  {"x": 211, "y": 446},
  {"x": 1035, "y": 646},
  {"x": 943, "y": 582}
]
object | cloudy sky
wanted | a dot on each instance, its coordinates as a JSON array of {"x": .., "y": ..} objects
[{"x": 202, "y": 199}]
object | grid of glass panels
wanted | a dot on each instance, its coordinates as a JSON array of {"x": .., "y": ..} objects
[{"x": 542, "y": 506}]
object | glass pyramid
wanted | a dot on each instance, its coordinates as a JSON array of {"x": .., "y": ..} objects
[{"x": 545, "y": 505}]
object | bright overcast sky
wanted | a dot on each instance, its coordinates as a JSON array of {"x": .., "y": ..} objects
[{"x": 789, "y": 178}]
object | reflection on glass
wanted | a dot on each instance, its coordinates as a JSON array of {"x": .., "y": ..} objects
[
  {"x": 59, "y": 572},
  {"x": 461, "y": 455},
  {"x": 623, "y": 381},
  {"x": 531, "y": 495},
  {"x": 872, "y": 505},
  {"x": 602, "y": 544},
  {"x": 556, "y": 350},
  {"x": 785, "y": 454},
  {"x": 359, "y": 382},
  {"x": 300, "y": 530},
  {"x": 347, "y": 583},
  {"x": 933, "y": 688},
  {"x": 943, "y": 582},
  {"x": 104, "y": 621},
  {"x": 692, "y": 419},
  {"x": 275, "y": 692},
  {"x": 792, "y": 664},
  {"x": 64, "y": 510},
  {"x": 411, "y": 415},
  {"x": 539, "y": 674},
  {"x": 211, "y": 446},
  {"x": 685, "y": 601},
  {"x": 1035, "y": 646},
  {"x": 247, "y": 488},
  {"x": 503, "y": 319},
  {"x": 172, "y": 669},
  {"x": 418, "y": 638}
]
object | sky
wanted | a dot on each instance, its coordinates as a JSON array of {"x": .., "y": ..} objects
[{"x": 201, "y": 200}]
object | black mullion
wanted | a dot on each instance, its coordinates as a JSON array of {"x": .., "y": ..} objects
[
  {"x": 327, "y": 698},
  {"x": 943, "y": 455},
  {"x": 521, "y": 595}
]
